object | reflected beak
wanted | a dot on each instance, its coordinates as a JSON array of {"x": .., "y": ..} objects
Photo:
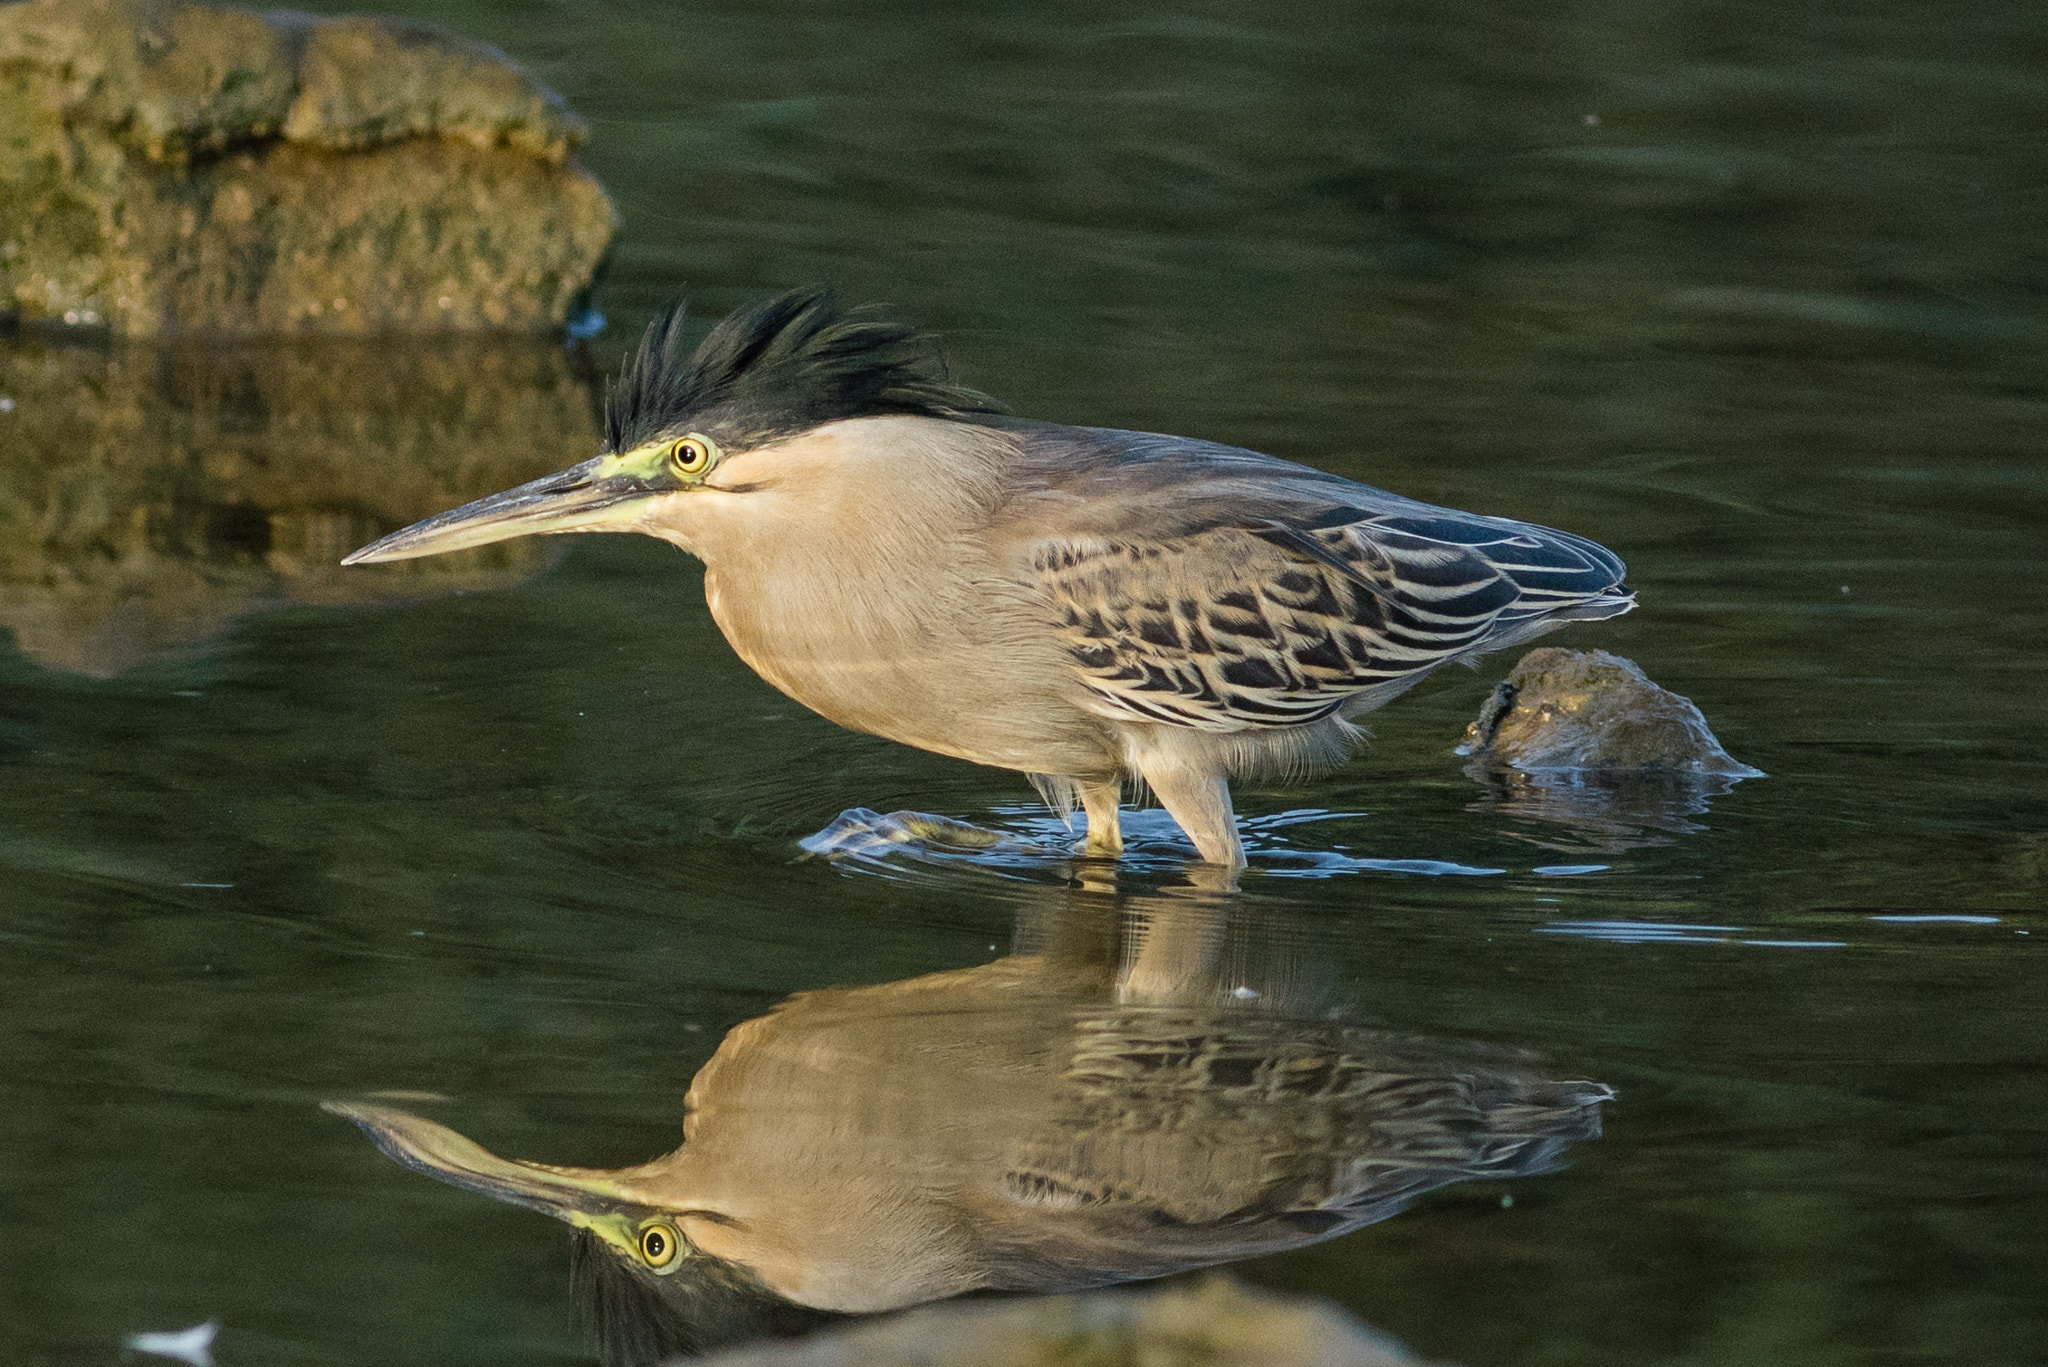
[
  {"x": 594, "y": 496},
  {"x": 588, "y": 1198}
]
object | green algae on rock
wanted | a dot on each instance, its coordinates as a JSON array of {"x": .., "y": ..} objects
[
  {"x": 1596, "y": 756},
  {"x": 151, "y": 494},
  {"x": 172, "y": 168}
]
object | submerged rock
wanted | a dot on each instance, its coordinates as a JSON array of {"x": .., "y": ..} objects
[
  {"x": 1565, "y": 709},
  {"x": 151, "y": 494},
  {"x": 179, "y": 168},
  {"x": 1213, "y": 1323}
]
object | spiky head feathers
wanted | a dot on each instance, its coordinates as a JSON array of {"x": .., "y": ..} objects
[{"x": 777, "y": 368}]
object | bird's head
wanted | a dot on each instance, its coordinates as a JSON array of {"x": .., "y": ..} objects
[
  {"x": 647, "y": 1288},
  {"x": 622, "y": 1208},
  {"x": 677, "y": 419}
]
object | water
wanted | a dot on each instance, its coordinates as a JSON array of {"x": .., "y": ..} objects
[{"x": 1751, "y": 296}]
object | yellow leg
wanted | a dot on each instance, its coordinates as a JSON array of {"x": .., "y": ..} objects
[
  {"x": 1201, "y": 804},
  {"x": 1099, "y": 800},
  {"x": 1170, "y": 954}
]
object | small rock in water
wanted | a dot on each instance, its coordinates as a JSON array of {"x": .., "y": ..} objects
[
  {"x": 185, "y": 168},
  {"x": 1215, "y": 1322},
  {"x": 194, "y": 1345},
  {"x": 1567, "y": 709}
]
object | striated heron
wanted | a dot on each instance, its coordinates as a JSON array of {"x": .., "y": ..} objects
[{"x": 1086, "y": 605}]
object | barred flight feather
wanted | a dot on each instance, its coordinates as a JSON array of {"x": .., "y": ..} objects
[
  {"x": 1283, "y": 623},
  {"x": 1332, "y": 1119}
]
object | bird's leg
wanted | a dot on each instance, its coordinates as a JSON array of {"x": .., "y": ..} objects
[
  {"x": 1199, "y": 801},
  {"x": 1170, "y": 953},
  {"x": 1099, "y": 799}
]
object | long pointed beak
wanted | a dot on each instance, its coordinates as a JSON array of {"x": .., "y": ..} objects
[
  {"x": 586, "y": 1197},
  {"x": 586, "y": 497}
]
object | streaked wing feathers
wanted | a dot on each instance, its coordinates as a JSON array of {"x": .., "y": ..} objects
[
  {"x": 1204, "y": 1121},
  {"x": 1261, "y": 621}
]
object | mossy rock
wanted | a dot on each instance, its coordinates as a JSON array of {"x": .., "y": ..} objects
[
  {"x": 170, "y": 168},
  {"x": 1589, "y": 710},
  {"x": 1212, "y": 1322}
]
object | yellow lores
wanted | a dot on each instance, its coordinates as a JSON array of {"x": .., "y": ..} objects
[
  {"x": 687, "y": 459},
  {"x": 655, "y": 1244}
]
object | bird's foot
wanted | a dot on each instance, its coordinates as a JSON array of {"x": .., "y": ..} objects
[{"x": 1106, "y": 846}]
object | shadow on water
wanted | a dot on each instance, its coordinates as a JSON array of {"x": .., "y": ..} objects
[
  {"x": 151, "y": 495},
  {"x": 1138, "y": 1088}
]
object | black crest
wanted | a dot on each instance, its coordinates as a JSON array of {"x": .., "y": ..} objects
[
  {"x": 777, "y": 368},
  {"x": 640, "y": 1320}
]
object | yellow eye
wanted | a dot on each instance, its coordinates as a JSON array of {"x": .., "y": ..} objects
[
  {"x": 692, "y": 455},
  {"x": 660, "y": 1245}
]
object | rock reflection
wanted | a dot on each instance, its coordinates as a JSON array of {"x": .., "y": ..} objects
[
  {"x": 1129, "y": 1093},
  {"x": 150, "y": 495},
  {"x": 1599, "y": 812}
]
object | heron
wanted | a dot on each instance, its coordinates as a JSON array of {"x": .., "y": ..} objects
[{"x": 1092, "y": 607}]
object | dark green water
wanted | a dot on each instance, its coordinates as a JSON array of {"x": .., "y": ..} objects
[{"x": 1753, "y": 295}]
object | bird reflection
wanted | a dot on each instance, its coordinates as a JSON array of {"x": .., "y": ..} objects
[{"x": 1133, "y": 1091}]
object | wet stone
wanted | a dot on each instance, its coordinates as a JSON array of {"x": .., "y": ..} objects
[
  {"x": 1212, "y": 1323},
  {"x": 175, "y": 168},
  {"x": 1589, "y": 710}
]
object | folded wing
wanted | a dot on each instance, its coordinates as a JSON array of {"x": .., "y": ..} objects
[{"x": 1224, "y": 591}]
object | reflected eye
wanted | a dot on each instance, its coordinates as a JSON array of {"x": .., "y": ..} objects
[
  {"x": 660, "y": 1245},
  {"x": 692, "y": 455}
]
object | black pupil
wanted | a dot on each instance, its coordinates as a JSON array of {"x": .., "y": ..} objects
[{"x": 655, "y": 1244}]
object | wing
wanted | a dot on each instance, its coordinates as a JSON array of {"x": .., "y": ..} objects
[
  {"x": 1209, "y": 587},
  {"x": 1194, "y": 1134}
]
